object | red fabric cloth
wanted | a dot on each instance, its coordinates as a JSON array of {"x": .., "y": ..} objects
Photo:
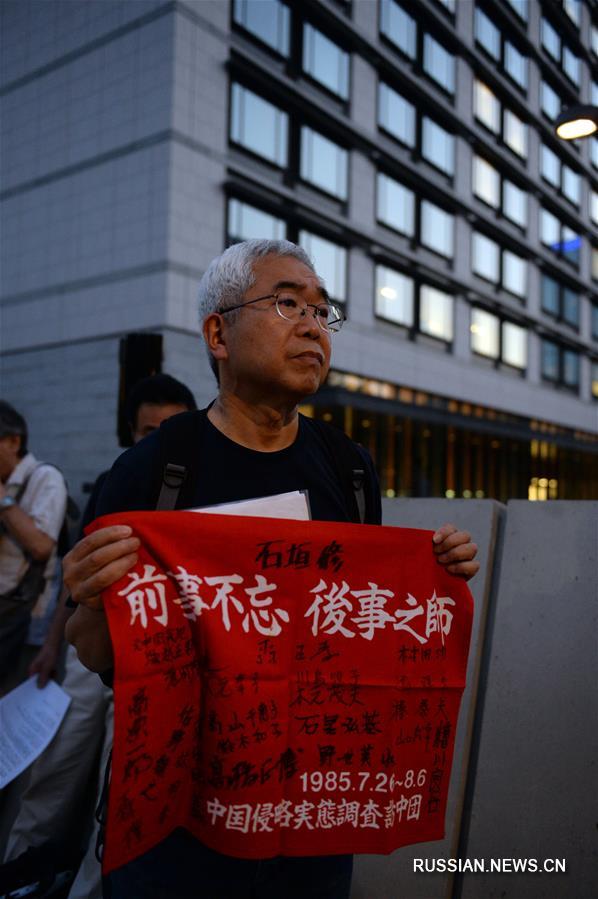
[{"x": 282, "y": 687}]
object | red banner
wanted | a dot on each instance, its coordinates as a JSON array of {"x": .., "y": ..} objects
[{"x": 282, "y": 687}]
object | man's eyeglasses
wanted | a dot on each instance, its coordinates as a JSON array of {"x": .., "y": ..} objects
[{"x": 329, "y": 317}]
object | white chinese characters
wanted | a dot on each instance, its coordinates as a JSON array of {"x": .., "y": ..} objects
[{"x": 335, "y": 609}]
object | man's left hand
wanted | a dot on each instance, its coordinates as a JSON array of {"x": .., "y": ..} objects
[{"x": 453, "y": 548}]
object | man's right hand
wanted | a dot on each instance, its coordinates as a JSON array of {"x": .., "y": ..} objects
[{"x": 97, "y": 562}]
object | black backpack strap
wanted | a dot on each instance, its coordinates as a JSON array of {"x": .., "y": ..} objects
[
  {"x": 350, "y": 467},
  {"x": 173, "y": 478},
  {"x": 180, "y": 448}
]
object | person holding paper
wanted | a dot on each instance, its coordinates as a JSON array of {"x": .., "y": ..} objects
[{"x": 268, "y": 325}]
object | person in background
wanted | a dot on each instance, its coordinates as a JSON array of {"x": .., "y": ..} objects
[
  {"x": 33, "y": 499},
  {"x": 45, "y": 841}
]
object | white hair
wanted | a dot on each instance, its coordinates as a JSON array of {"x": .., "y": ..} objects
[{"x": 230, "y": 275}]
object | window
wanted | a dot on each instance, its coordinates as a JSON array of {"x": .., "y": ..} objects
[
  {"x": 330, "y": 262},
  {"x": 514, "y": 345},
  {"x": 246, "y": 222},
  {"x": 486, "y": 182},
  {"x": 515, "y": 133},
  {"x": 323, "y": 163},
  {"x": 486, "y": 106},
  {"x": 436, "y": 313},
  {"x": 514, "y": 203},
  {"x": 487, "y": 34},
  {"x": 485, "y": 258},
  {"x": 515, "y": 64},
  {"x": 497, "y": 339},
  {"x": 571, "y": 65},
  {"x": 559, "y": 238},
  {"x": 550, "y": 229},
  {"x": 550, "y": 166},
  {"x": 487, "y": 110},
  {"x": 550, "y": 360},
  {"x": 570, "y": 184},
  {"x": 594, "y": 151},
  {"x": 520, "y": 7},
  {"x": 559, "y": 301},
  {"x": 439, "y": 64},
  {"x": 438, "y": 146},
  {"x": 394, "y": 296},
  {"x": 396, "y": 208},
  {"x": 267, "y": 20},
  {"x": 400, "y": 119},
  {"x": 570, "y": 368},
  {"x": 514, "y": 273},
  {"x": 396, "y": 205},
  {"x": 559, "y": 364},
  {"x": 572, "y": 8},
  {"x": 559, "y": 51},
  {"x": 594, "y": 267},
  {"x": 497, "y": 265},
  {"x": 594, "y": 377},
  {"x": 566, "y": 181},
  {"x": 258, "y": 125},
  {"x": 594, "y": 318},
  {"x": 512, "y": 62},
  {"x": 485, "y": 333},
  {"x": 325, "y": 61},
  {"x": 437, "y": 229},
  {"x": 396, "y": 115},
  {"x": 398, "y": 27},
  {"x": 549, "y": 101},
  {"x": 594, "y": 206},
  {"x": 550, "y": 40},
  {"x": 400, "y": 300}
]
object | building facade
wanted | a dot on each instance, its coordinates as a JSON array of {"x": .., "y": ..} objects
[{"x": 408, "y": 146}]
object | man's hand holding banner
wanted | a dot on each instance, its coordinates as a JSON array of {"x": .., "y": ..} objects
[{"x": 282, "y": 687}]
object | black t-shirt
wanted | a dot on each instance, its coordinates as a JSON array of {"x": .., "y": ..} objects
[{"x": 230, "y": 472}]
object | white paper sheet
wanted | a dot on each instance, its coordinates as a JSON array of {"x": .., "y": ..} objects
[
  {"x": 283, "y": 505},
  {"x": 29, "y": 718}
]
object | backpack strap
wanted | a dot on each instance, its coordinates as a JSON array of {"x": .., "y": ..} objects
[
  {"x": 349, "y": 465},
  {"x": 180, "y": 440}
]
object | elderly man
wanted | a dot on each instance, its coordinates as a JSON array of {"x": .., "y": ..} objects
[
  {"x": 32, "y": 507},
  {"x": 267, "y": 325}
]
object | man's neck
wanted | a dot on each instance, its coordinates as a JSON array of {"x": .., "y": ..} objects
[{"x": 263, "y": 426}]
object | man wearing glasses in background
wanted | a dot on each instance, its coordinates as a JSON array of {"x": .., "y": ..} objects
[{"x": 267, "y": 326}]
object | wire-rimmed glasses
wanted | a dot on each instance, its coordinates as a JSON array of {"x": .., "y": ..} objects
[{"x": 329, "y": 316}]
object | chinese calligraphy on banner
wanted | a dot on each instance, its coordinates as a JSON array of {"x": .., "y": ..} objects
[{"x": 281, "y": 687}]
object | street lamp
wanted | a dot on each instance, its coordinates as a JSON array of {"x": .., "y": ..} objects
[{"x": 577, "y": 121}]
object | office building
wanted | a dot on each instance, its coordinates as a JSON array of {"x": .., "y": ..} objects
[{"x": 408, "y": 146}]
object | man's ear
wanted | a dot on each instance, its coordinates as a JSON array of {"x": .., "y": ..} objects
[{"x": 214, "y": 332}]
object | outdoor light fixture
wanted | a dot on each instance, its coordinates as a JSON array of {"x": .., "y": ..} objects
[{"x": 577, "y": 121}]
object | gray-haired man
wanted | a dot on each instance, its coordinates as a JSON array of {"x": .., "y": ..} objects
[{"x": 268, "y": 326}]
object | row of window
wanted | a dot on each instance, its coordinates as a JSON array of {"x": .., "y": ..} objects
[
  {"x": 328, "y": 64},
  {"x": 423, "y": 308},
  {"x": 262, "y": 128},
  {"x": 558, "y": 50},
  {"x": 321, "y": 59},
  {"x": 502, "y": 51}
]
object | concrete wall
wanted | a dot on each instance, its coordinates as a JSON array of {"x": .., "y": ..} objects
[
  {"x": 523, "y": 782},
  {"x": 534, "y": 788}
]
